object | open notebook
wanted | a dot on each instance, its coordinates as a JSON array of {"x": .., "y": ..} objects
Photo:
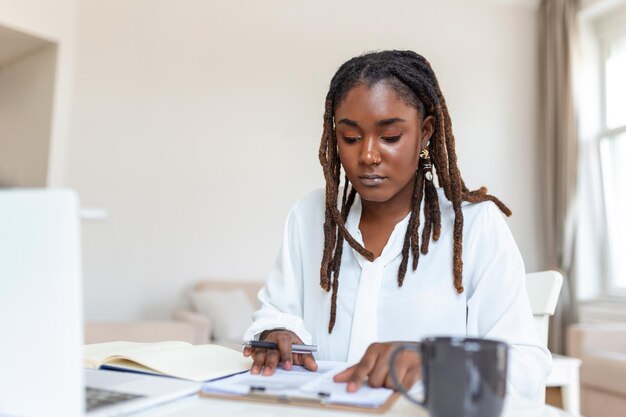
[
  {"x": 300, "y": 387},
  {"x": 176, "y": 359}
]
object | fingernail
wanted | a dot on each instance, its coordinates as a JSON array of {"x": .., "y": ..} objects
[
  {"x": 351, "y": 386},
  {"x": 254, "y": 370},
  {"x": 287, "y": 365}
]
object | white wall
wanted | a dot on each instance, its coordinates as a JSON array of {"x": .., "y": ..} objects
[
  {"x": 54, "y": 21},
  {"x": 26, "y": 97},
  {"x": 197, "y": 126}
]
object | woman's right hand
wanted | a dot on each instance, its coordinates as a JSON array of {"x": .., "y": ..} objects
[{"x": 265, "y": 361}]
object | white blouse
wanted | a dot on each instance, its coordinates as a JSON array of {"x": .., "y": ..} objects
[{"x": 371, "y": 307}]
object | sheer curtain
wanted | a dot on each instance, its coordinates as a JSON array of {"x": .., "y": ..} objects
[{"x": 559, "y": 151}]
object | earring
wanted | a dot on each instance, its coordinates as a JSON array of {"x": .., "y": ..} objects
[{"x": 427, "y": 165}]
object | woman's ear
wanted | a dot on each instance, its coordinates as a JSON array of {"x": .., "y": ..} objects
[{"x": 427, "y": 130}]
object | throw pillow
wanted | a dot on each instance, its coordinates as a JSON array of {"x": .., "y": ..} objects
[{"x": 229, "y": 310}]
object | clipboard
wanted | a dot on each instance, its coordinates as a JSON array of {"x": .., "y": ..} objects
[
  {"x": 300, "y": 387},
  {"x": 310, "y": 402}
]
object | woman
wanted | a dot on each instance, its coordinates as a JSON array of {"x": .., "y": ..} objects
[{"x": 349, "y": 276}]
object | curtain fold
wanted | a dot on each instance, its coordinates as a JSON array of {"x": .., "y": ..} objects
[{"x": 559, "y": 151}]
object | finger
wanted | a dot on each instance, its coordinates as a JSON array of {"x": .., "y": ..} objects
[
  {"x": 271, "y": 362},
  {"x": 299, "y": 358},
  {"x": 284, "y": 348},
  {"x": 358, "y": 377},
  {"x": 345, "y": 375},
  {"x": 380, "y": 371},
  {"x": 412, "y": 376},
  {"x": 258, "y": 361},
  {"x": 309, "y": 362},
  {"x": 401, "y": 372},
  {"x": 356, "y": 374},
  {"x": 363, "y": 369},
  {"x": 408, "y": 370}
]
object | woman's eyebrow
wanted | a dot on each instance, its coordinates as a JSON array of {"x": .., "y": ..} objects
[
  {"x": 383, "y": 122},
  {"x": 390, "y": 121},
  {"x": 348, "y": 122}
]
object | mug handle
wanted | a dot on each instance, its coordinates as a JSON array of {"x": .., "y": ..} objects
[{"x": 416, "y": 347}]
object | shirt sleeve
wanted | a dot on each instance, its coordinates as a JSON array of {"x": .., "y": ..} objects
[
  {"x": 282, "y": 296},
  {"x": 498, "y": 306}
]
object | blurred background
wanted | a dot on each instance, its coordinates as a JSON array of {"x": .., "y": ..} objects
[{"x": 192, "y": 127}]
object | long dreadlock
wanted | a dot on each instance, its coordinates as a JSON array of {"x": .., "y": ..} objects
[{"x": 412, "y": 77}]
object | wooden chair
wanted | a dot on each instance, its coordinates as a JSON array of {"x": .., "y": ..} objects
[{"x": 543, "y": 292}]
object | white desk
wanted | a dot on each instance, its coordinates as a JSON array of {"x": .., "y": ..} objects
[{"x": 202, "y": 407}]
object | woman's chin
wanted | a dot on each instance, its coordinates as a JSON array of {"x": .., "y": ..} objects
[{"x": 374, "y": 194}]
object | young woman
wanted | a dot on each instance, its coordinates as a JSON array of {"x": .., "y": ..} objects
[{"x": 395, "y": 258}]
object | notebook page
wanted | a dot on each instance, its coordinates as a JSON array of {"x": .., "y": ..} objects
[
  {"x": 95, "y": 354},
  {"x": 195, "y": 363}
]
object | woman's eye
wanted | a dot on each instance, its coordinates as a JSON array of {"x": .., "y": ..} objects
[
  {"x": 351, "y": 139},
  {"x": 392, "y": 139}
]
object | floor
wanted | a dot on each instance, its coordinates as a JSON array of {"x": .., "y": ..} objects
[{"x": 553, "y": 397}]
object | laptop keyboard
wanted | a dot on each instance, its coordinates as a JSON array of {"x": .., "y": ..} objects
[{"x": 97, "y": 398}]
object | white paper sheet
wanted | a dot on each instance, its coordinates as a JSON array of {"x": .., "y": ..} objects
[{"x": 301, "y": 383}]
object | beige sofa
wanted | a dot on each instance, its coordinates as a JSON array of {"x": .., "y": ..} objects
[
  {"x": 190, "y": 331},
  {"x": 602, "y": 349},
  {"x": 234, "y": 303},
  {"x": 225, "y": 307}
]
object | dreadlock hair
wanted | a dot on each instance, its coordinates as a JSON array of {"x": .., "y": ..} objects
[{"x": 412, "y": 77}]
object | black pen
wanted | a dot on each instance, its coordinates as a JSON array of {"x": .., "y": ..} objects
[{"x": 259, "y": 344}]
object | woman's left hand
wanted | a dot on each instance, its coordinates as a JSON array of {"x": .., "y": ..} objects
[{"x": 374, "y": 367}]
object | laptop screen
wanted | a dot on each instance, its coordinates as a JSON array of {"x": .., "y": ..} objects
[{"x": 40, "y": 303}]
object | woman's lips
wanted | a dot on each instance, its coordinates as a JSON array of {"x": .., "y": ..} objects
[{"x": 371, "y": 180}]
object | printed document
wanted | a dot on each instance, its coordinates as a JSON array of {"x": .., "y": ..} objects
[{"x": 300, "y": 383}]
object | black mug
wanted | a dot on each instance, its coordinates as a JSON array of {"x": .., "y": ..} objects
[{"x": 461, "y": 376}]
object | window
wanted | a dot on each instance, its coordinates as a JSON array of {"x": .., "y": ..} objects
[
  {"x": 615, "y": 84},
  {"x": 612, "y": 141}
]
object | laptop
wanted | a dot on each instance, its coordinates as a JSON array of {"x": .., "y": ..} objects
[{"x": 41, "y": 319}]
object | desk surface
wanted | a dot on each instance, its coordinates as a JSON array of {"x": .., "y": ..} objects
[{"x": 203, "y": 407}]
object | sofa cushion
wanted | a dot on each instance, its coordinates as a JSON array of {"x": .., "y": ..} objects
[
  {"x": 604, "y": 370},
  {"x": 230, "y": 310},
  {"x": 250, "y": 288}
]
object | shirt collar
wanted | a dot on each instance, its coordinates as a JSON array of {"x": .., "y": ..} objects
[{"x": 392, "y": 249}]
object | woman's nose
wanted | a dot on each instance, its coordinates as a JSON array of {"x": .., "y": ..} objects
[{"x": 370, "y": 154}]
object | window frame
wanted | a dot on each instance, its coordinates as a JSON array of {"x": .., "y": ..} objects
[{"x": 607, "y": 31}]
